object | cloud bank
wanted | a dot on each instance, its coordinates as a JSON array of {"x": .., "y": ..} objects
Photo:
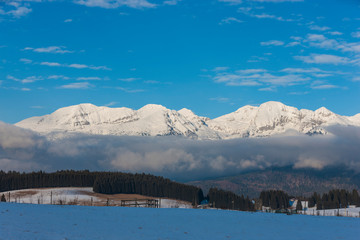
[{"x": 179, "y": 159}]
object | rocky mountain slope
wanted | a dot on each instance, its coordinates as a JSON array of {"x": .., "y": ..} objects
[{"x": 270, "y": 118}]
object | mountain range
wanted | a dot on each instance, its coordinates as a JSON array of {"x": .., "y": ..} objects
[{"x": 268, "y": 119}]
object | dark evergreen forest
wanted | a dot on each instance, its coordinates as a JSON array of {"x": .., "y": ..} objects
[
  {"x": 155, "y": 186},
  {"x": 116, "y": 182}
]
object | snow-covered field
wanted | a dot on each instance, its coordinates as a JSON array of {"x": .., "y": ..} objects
[
  {"x": 34, "y": 221},
  {"x": 80, "y": 196}
]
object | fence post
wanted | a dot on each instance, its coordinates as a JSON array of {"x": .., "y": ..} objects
[
  {"x": 51, "y": 197},
  {"x": 9, "y": 196}
]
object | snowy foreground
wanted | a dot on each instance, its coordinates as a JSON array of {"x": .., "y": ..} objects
[{"x": 34, "y": 221}]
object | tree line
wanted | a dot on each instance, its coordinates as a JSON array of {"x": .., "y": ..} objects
[
  {"x": 127, "y": 183},
  {"x": 146, "y": 184},
  {"x": 275, "y": 199},
  {"x": 337, "y": 198},
  {"x": 228, "y": 200}
]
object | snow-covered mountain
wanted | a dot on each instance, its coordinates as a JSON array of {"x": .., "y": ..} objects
[{"x": 268, "y": 119}]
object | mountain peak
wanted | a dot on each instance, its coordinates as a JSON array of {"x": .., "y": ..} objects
[
  {"x": 151, "y": 107},
  {"x": 270, "y": 118}
]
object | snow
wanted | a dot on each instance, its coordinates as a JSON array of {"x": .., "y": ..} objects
[
  {"x": 51, "y": 195},
  {"x": 32, "y": 221},
  {"x": 269, "y": 119},
  {"x": 345, "y": 212},
  {"x": 78, "y": 196}
]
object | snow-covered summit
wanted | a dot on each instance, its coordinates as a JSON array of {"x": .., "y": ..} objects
[{"x": 270, "y": 118}]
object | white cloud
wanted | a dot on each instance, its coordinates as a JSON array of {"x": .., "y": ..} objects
[
  {"x": 110, "y": 104},
  {"x": 171, "y": 2},
  {"x": 129, "y": 90},
  {"x": 30, "y": 79},
  {"x": 78, "y": 85},
  {"x": 272, "y": 43},
  {"x": 58, "y": 77},
  {"x": 323, "y": 59},
  {"x": 258, "y": 77},
  {"x": 232, "y": 2},
  {"x": 74, "y": 65},
  {"x": 151, "y": 82},
  {"x": 230, "y": 20},
  {"x": 318, "y": 28},
  {"x": 51, "y": 49},
  {"x": 220, "y": 99},
  {"x": 335, "y": 33},
  {"x": 116, "y": 3},
  {"x": 268, "y": 89},
  {"x": 356, "y": 79},
  {"x": 355, "y": 34},
  {"x": 320, "y": 41},
  {"x": 89, "y": 79},
  {"x": 248, "y": 11},
  {"x": 220, "y": 69},
  {"x": 301, "y": 70},
  {"x": 324, "y": 86},
  {"x": 25, "y": 60},
  {"x": 277, "y": 1},
  {"x": 20, "y": 11},
  {"x": 68, "y": 20},
  {"x": 25, "y": 89},
  {"x": 129, "y": 79},
  {"x": 51, "y": 64}
]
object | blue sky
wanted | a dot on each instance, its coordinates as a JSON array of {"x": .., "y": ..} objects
[{"x": 209, "y": 56}]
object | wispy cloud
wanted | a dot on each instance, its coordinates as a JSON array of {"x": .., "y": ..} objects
[
  {"x": 51, "y": 64},
  {"x": 171, "y": 2},
  {"x": 249, "y": 12},
  {"x": 335, "y": 33},
  {"x": 15, "y": 9},
  {"x": 220, "y": 99},
  {"x": 77, "y": 85},
  {"x": 30, "y": 79},
  {"x": 323, "y": 59},
  {"x": 110, "y": 104},
  {"x": 58, "y": 77},
  {"x": 132, "y": 79},
  {"x": 68, "y": 20},
  {"x": 74, "y": 65},
  {"x": 116, "y": 3},
  {"x": 220, "y": 69},
  {"x": 355, "y": 34},
  {"x": 258, "y": 77},
  {"x": 232, "y": 2},
  {"x": 89, "y": 79},
  {"x": 318, "y": 28},
  {"x": 322, "y": 85},
  {"x": 25, "y": 60},
  {"x": 129, "y": 90},
  {"x": 272, "y": 43},
  {"x": 51, "y": 49},
  {"x": 229, "y": 20}
]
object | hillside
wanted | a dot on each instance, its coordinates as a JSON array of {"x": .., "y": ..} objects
[{"x": 294, "y": 182}]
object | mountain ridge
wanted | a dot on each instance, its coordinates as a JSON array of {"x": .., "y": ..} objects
[{"x": 268, "y": 119}]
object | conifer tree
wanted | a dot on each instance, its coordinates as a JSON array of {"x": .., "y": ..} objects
[{"x": 3, "y": 199}]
